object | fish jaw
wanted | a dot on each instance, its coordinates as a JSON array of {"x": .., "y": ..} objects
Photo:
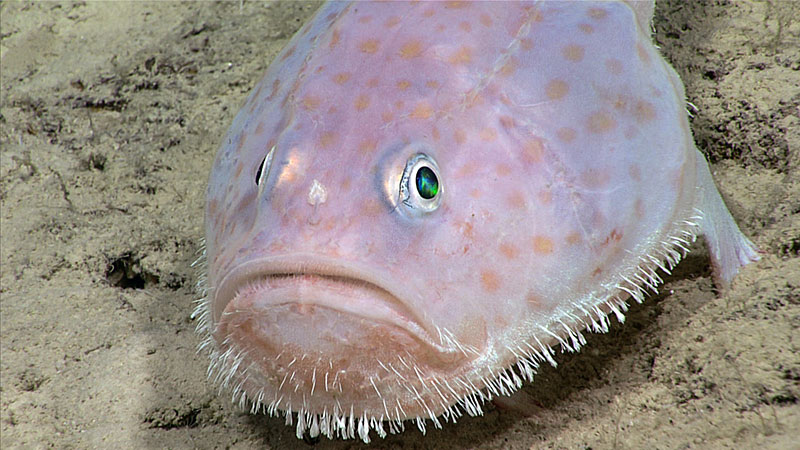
[{"x": 299, "y": 331}]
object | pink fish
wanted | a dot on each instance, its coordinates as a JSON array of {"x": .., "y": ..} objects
[{"x": 421, "y": 201}]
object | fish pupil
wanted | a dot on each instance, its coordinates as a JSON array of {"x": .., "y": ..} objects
[
  {"x": 258, "y": 172},
  {"x": 427, "y": 183}
]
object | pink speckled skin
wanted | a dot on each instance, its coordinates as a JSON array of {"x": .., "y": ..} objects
[{"x": 568, "y": 176}]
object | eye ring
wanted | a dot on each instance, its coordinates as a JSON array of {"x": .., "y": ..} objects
[{"x": 421, "y": 187}]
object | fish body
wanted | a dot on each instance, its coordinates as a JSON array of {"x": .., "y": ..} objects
[{"x": 421, "y": 201}]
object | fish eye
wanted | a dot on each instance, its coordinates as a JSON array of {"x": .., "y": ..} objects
[
  {"x": 427, "y": 183},
  {"x": 264, "y": 167},
  {"x": 421, "y": 185}
]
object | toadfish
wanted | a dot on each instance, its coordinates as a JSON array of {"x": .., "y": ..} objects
[{"x": 421, "y": 201}]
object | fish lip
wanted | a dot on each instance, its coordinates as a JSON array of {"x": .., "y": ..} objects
[{"x": 332, "y": 270}]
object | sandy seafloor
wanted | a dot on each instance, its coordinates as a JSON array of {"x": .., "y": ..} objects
[{"x": 111, "y": 115}]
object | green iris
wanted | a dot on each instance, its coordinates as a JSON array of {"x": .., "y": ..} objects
[{"x": 427, "y": 183}]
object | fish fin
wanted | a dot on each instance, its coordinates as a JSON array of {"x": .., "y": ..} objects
[{"x": 730, "y": 249}]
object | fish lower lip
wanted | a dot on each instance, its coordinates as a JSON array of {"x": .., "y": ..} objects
[
  {"x": 343, "y": 294},
  {"x": 320, "y": 284}
]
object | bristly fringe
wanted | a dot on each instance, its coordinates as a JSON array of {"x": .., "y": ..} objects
[{"x": 229, "y": 369}]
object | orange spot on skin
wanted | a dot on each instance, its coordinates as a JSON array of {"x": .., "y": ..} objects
[
  {"x": 545, "y": 196},
  {"x": 288, "y": 53},
  {"x": 598, "y": 13},
  {"x": 373, "y": 82},
  {"x": 275, "y": 86},
  {"x": 594, "y": 178},
  {"x": 586, "y": 28},
  {"x": 246, "y": 202},
  {"x": 411, "y": 49},
  {"x": 676, "y": 179},
  {"x": 573, "y": 52},
  {"x": 507, "y": 122},
  {"x": 239, "y": 168},
  {"x": 341, "y": 77},
  {"x": 635, "y": 172},
  {"x": 387, "y": 116},
  {"x": 365, "y": 19},
  {"x": 601, "y": 122},
  {"x": 598, "y": 219},
  {"x": 466, "y": 170},
  {"x": 573, "y": 238},
  {"x": 473, "y": 99},
  {"x": 488, "y": 134},
  {"x": 367, "y": 146},
  {"x": 372, "y": 207},
  {"x": 241, "y": 143},
  {"x": 433, "y": 84},
  {"x": 614, "y": 66},
  {"x": 212, "y": 207},
  {"x": 335, "y": 36},
  {"x": 566, "y": 134},
  {"x": 465, "y": 26},
  {"x": 503, "y": 170},
  {"x": 621, "y": 102},
  {"x": 509, "y": 250},
  {"x": 638, "y": 208},
  {"x": 403, "y": 84},
  {"x": 465, "y": 228},
  {"x": 542, "y": 245},
  {"x": 556, "y": 89},
  {"x": 644, "y": 111},
  {"x": 362, "y": 102},
  {"x": 641, "y": 52},
  {"x": 456, "y": 4},
  {"x": 486, "y": 20},
  {"x": 428, "y": 12},
  {"x": 459, "y": 136},
  {"x": 422, "y": 111},
  {"x": 311, "y": 102},
  {"x": 533, "y": 150},
  {"x": 370, "y": 46},
  {"x": 327, "y": 139},
  {"x": 391, "y": 21},
  {"x": 516, "y": 200},
  {"x": 526, "y": 44},
  {"x": 259, "y": 129},
  {"x": 462, "y": 56},
  {"x": 535, "y": 14},
  {"x": 509, "y": 67},
  {"x": 490, "y": 281},
  {"x": 475, "y": 193},
  {"x": 614, "y": 236}
]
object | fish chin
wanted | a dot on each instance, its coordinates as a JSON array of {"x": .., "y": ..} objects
[{"x": 304, "y": 337}]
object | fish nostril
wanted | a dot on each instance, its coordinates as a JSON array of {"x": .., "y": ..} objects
[{"x": 317, "y": 195}]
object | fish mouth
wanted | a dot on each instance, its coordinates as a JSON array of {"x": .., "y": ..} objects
[
  {"x": 304, "y": 283},
  {"x": 309, "y": 334}
]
